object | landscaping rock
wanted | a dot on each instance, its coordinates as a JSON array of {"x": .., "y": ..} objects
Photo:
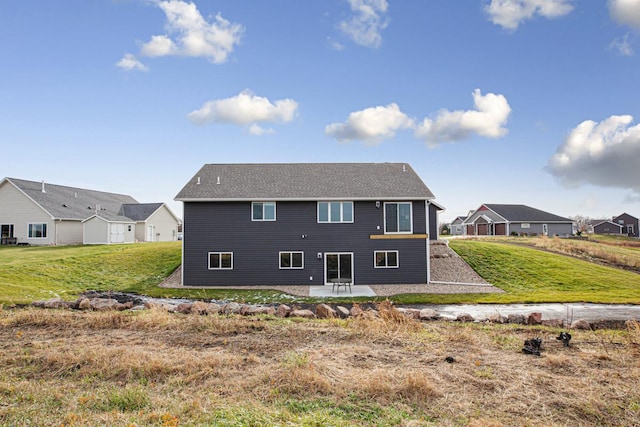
[
  {"x": 554, "y": 323},
  {"x": 428, "y": 314},
  {"x": 464, "y": 317},
  {"x": 580, "y": 324},
  {"x": 534, "y": 318},
  {"x": 257, "y": 310},
  {"x": 283, "y": 310},
  {"x": 518, "y": 319},
  {"x": 304, "y": 313},
  {"x": 342, "y": 312},
  {"x": 56, "y": 303},
  {"x": 124, "y": 306},
  {"x": 83, "y": 304},
  {"x": 232, "y": 308},
  {"x": 356, "y": 311},
  {"x": 609, "y": 324},
  {"x": 497, "y": 318},
  {"x": 199, "y": 307},
  {"x": 214, "y": 308},
  {"x": 184, "y": 308},
  {"x": 323, "y": 311},
  {"x": 103, "y": 304}
]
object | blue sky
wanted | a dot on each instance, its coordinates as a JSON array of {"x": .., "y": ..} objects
[{"x": 512, "y": 101}]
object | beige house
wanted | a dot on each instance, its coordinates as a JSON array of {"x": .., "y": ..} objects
[{"x": 39, "y": 213}]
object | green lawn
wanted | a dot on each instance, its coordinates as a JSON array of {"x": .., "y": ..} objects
[{"x": 526, "y": 274}]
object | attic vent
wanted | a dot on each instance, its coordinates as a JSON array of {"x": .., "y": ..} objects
[
  {"x": 43, "y": 190},
  {"x": 404, "y": 168},
  {"x": 198, "y": 182},
  {"x": 218, "y": 181},
  {"x": 64, "y": 205}
]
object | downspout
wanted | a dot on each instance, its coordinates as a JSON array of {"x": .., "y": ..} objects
[{"x": 426, "y": 206}]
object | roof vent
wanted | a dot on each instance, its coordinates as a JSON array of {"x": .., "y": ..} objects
[
  {"x": 218, "y": 181},
  {"x": 43, "y": 190},
  {"x": 198, "y": 182},
  {"x": 404, "y": 168}
]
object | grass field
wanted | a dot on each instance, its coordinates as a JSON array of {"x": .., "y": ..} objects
[
  {"x": 152, "y": 368},
  {"x": 529, "y": 270}
]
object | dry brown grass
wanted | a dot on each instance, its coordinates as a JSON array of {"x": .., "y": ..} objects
[{"x": 154, "y": 368}]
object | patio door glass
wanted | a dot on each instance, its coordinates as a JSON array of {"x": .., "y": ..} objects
[{"x": 338, "y": 266}]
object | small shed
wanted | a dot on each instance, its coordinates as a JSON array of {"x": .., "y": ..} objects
[{"x": 98, "y": 230}]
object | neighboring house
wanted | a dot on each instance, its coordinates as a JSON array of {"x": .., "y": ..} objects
[
  {"x": 504, "y": 220},
  {"x": 629, "y": 223},
  {"x": 307, "y": 224},
  {"x": 40, "y": 213},
  {"x": 155, "y": 222},
  {"x": 607, "y": 227},
  {"x": 457, "y": 227}
]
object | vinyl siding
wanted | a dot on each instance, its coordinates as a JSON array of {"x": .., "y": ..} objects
[
  {"x": 17, "y": 209},
  {"x": 68, "y": 232},
  {"x": 227, "y": 227},
  {"x": 164, "y": 224}
]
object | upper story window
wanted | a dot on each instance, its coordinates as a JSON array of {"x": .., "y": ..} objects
[
  {"x": 335, "y": 211},
  {"x": 398, "y": 217},
  {"x": 263, "y": 211},
  {"x": 37, "y": 231}
]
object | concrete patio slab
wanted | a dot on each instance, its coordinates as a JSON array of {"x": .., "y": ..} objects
[{"x": 327, "y": 291}]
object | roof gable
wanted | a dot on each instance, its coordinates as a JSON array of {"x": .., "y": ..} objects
[
  {"x": 310, "y": 181},
  {"x": 139, "y": 211}
]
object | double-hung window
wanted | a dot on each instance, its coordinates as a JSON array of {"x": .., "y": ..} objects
[
  {"x": 291, "y": 260},
  {"x": 398, "y": 217},
  {"x": 220, "y": 260},
  {"x": 37, "y": 231},
  {"x": 263, "y": 211},
  {"x": 335, "y": 211}
]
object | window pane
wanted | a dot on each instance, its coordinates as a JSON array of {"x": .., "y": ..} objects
[
  {"x": 44, "y": 230},
  {"x": 323, "y": 212},
  {"x": 391, "y": 217},
  {"x": 257, "y": 211},
  {"x": 380, "y": 259},
  {"x": 347, "y": 211},
  {"x": 392, "y": 259},
  {"x": 296, "y": 260},
  {"x": 270, "y": 211},
  {"x": 285, "y": 260},
  {"x": 335, "y": 212},
  {"x": 214, "y": 260},
  {"x": 404, "y": 214},
  {"x": 225, "y": 260}
]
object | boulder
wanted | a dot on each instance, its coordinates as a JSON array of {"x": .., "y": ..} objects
[
  {"x": 55, "y": 303},
  {"x": 497, "y": 318},
  {"x": 253, "y": 310},
  {"x": 428, "y": 314},
  {"x": 356, "y": 311},
  {"x": 412, "y": 313},
  {"x": 232, "y": 308},
  {"x": 465, "y": 317},
  {"x": 37, "y": 303},
  {"x": 83, "y": 304},
  {"x": 283, "y": 310},
  {"x": 124, "y": 306},
  {"x": 534, "y": 318},
  {"x": 517, "y": 319},
  {"x": 184, "y": 308},
  {"x": 214, "y": 308},
  {"x": 342, "y": 312},
  {"x": 323, "y": 311},
  {"x": 554, "y": 323},
  {"x": 580, "y": 324},
  {"x": 103, "y": 304},
  {"x": 306, "y": 314},
  {"x": 200, "y": 307}
]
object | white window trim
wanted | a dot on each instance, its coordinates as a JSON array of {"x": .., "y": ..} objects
[
  {"x": 220, "y": 254},
  {"x": 291, "y": 257},
  {"x": 342, "y": 221},
  {"x": 525, "y": 225},
  {"x": 263, "y": 205},
  {"x": 37, "y": 223},
  {"x": 410, "y": 217},
  {"x": 375, "y": 265}
]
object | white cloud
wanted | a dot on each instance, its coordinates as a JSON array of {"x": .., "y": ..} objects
[
  {"x": 511, "y": 13},
  {"x": 491, "y": 114},
  {"x": 626, "y": 12},
  {"x": 604, "y": 154},
  {"x": 193, "y": 35},
  {"x": 130, "y": 63},
  {"x": 622, "y": 46},
  {"x": 371, "y": 125},
  {"x": 367, "y": 23},
  {"x": 245, "y": 109}
]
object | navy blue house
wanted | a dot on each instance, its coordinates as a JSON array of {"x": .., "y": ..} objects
[{"x": 306, "y": 224}]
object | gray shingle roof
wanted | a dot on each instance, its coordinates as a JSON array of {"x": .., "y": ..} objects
[
  {"x": 305, "y": 181},
  {"x": 139, "y": 211},
  {"x": 73, "y": 203},
  {"x": 523, "y": 213}
]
